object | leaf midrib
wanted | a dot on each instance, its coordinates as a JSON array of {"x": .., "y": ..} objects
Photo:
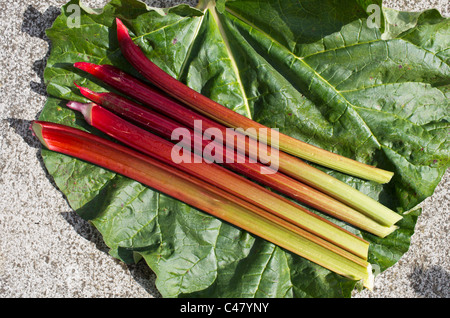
[{"x": 211, "y": 8}]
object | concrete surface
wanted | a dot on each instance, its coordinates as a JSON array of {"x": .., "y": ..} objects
[{"x": 46, "y": 250}]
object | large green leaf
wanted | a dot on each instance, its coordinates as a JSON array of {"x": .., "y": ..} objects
[{"x": 314, "y": 69}]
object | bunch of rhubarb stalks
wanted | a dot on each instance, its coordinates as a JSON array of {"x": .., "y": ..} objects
[{"x": 141, "y": 121}]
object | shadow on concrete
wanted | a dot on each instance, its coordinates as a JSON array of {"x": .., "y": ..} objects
[
  {"x": 433, "y": 282},
  {"x": 22, "y": 127},
  {"x": 35, "y": 24}
]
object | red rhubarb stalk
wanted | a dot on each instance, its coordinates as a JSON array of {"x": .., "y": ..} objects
[
  {"x": 229, "y": 118},
  {"x": 199, "y": 194},
  {"x": 164, "y": 126},
  {"x": 161, "y": 149},
  {"x": 289, "y": 165}
]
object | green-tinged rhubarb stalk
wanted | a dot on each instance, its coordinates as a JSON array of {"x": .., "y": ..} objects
[
  {"x": 216, "y": 175},
  {"x": 195, "y": 192},
  {"x": 289, "y": 165},
  {"x": 164, "y": 126},
  {"x": 229, "y": 118}
]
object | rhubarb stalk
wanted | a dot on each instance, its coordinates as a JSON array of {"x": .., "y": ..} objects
[
  {"x": 195, "y": 192},
  {"x": 161, "y": 149},
  {"x": 289, "y": 165},
  {"x": 164, "y": 126},
  {"x": 229, "y": 118}
]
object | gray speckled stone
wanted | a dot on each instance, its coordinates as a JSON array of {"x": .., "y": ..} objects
[{"x": 46, "y": 250}]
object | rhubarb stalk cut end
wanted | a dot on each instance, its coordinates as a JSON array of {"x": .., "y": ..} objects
[
  {"x": 83, "y": 108},
  {"x": 36, "y": 127}
]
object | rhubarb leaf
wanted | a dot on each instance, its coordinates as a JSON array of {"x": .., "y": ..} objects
[{"x": 317, "y": 70}]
